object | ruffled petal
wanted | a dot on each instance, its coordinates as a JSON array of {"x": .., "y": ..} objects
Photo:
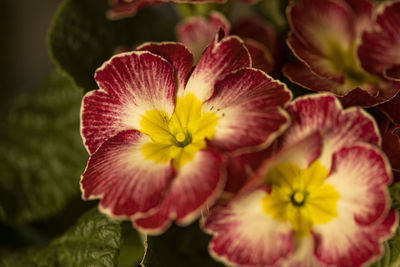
[
  {"x": 245, "y": 235},
  {"x": 323, "y": 113},
  {"x": 321, "y": 23},
  {"x": 380, "y": 49},
  {"x": 196, "y": 187},
  {"x": 248, "y": 103},
  {"x": 367, "y": 96},
  {"x": 176, "y": 54},
  {"x": 219, "y": 59},
  {"x": 130, "y": 84},
  {"x": 360, "y": 174},
  {"x": 198, "y": 32},
  {"x": 127, "y": 183},
  {"x": 318, "y": 64}
]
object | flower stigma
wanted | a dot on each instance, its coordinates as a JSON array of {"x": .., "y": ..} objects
[{"x": 300, "y": 196}]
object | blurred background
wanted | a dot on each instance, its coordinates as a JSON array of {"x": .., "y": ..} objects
[{"x": 23, "y": 30}]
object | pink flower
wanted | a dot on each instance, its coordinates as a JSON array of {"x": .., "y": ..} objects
[
  {"x": 259, "y": 37},
  {"x": 320, "y": 197},
  {"x": 326, "y": 36},
  {"x": 128, "y": 8},
  {"x": 156, "y": 129}
]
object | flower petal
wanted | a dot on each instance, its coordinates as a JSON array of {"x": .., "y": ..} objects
[
  {"x": 354, "y": 248},
  {"x": 262, "y": 42},
  {"x": 323, "y": 113},
  {"x": 318, "y": 64},
  {"x": 196, "y": 186},
  {"x": 243, "y": 233},
  {"x": 127, "y": 183},
  {"x": 176, "y": 54},
  {"x": 361, "y": 175},
  {"x": 367, "y": 96},
  {"x": 248, "y": 103},
  {"x": 219, "y": 59},
  {"x": 130, "y": 84},
  {"x": 320, "y": 23},
  {"x": 392, "y": 109},
  {"x": 198, "y": 32},
  {"x": 380, "y": 49}
]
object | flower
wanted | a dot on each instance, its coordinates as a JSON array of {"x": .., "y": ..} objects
[
  {"x": 381, "y": 45},
  {"x": 259, "y": 37},
  {"x": 319, "y": 199},
  {"x": 326, "y": 36},
  {"x": 198, "y": 32},
  {"x": 128, "y": 8},
  {"x": 156, "y": 129}
]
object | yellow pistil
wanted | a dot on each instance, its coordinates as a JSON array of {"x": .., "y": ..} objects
[
  {"x": 180, "y": 136},
  {"x": 300, "y": 196}
]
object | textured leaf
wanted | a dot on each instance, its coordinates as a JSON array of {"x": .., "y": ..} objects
[
  {"x": 82, "y": 38},
  {"x": 179, "y": 247},
  {"x": 93, "y": 241},
  {"x": 41, "y": 151}
]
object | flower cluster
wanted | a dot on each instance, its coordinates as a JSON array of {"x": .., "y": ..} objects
[{"x": 197, "y": 128}]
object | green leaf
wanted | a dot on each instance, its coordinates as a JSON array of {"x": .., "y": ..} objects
[
  {"x": 41, "y": 151},
  {"x": 93, "y": 241},
  {"x": 82, "y": 38},
  {"x": 179, "y": 247},
  {"x": 132, "y": 246}
]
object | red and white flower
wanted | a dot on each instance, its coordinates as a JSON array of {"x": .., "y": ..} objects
[
  {"x": 156, "y": 129},
  {"x": 319, "y": 199},
  {"x": 326, "y": 37},
  {"x": 259, "y": 37}
]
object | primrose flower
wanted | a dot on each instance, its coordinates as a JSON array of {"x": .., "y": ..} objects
[
  {"x": 326, "y": 37},
  {"x": 155, "y": 129},
  {"x": 128, "y": 8},
  {"x": 259, "y": 37},
  {"x": 320, "y": 197},
  {"x": 381, "y": 46}
]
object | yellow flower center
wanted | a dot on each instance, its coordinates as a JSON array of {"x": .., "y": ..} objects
[
  {"x": 300, "y": 196},
  {"x": 345, "y": 61},
  {"x": 180, "y": 136}
]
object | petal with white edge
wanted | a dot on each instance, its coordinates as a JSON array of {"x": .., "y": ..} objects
[
  {"x": 130, "y": 84},
  {"x": 245, "y": 235},
  {"x": 360, "y": 174},
  {"x": 324, "y": 113},
  {"x": 195, "y": 188},
  {"x": 249, "y": 105},
  {"x": 127, "y": 183},
  {"x": 176, "y": 54},
  {"x": 220, "y": 58}
]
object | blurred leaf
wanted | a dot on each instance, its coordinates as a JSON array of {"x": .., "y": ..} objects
[
  {"x": 179, "y": 247},
  {"x": 132, "y": 247},
  {"x": 41, "y": 151},
  {"x": 82, "y": 38},
  {"x": 93, "y": 241},
  {"x": 395, "y": 195},
  {"x": 275, "y": 12}
]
